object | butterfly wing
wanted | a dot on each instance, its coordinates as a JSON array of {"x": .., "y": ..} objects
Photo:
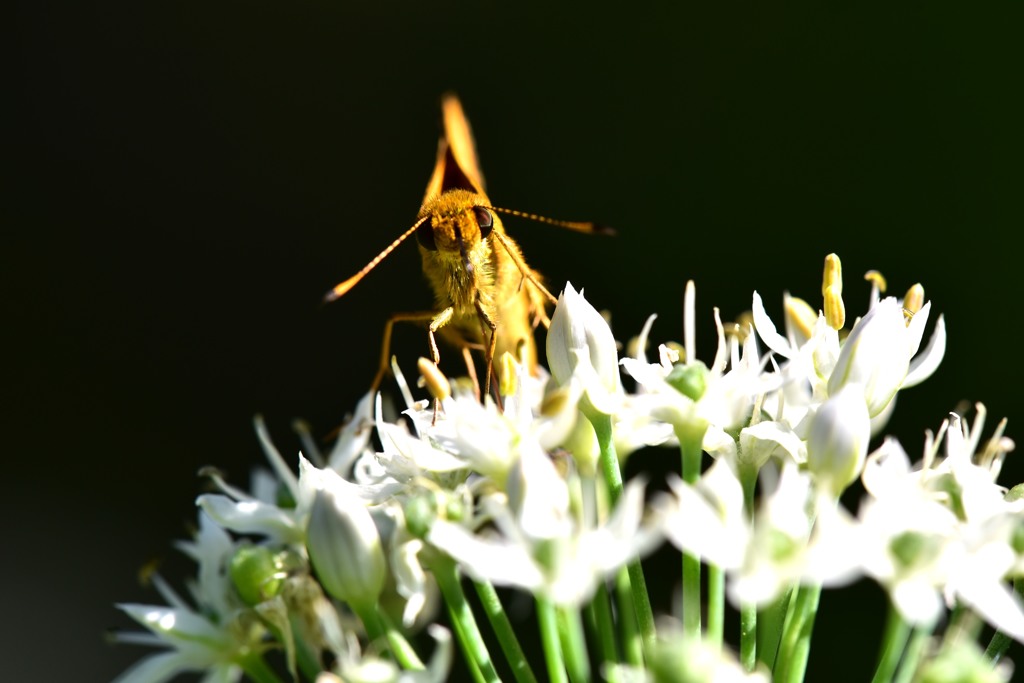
[{"x": 457, "y": 166}]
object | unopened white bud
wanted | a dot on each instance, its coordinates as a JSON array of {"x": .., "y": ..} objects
[{"x": 345, "y": 549}]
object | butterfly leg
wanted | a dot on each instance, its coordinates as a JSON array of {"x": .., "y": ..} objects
[
  {"x": 467, "y": 357},
  {"x": 437, "y": 322},
  {"x": 487, "y": 324},
  {"x": 385, "y": 347}
]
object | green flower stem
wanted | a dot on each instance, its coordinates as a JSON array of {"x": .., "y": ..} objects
[
  {"x": 716, "y": 605},
  {"x": 796, "y": 640},
  {"x": 748, "y": 636},
  {"x": 912, "y": 655},
  {"x": 894, "y": 640},
  {"x": 257, "y": 669},
  {"x": 372, "y": 622},
  {"x": 1000, "y": 642},
  {"x": 691, "y": 439},
  {"x": 308, "y": 660},
  {"x": 599, "y": 611},
  {"x": 548, "y": 621},
  {"x": 771, "y": 623},
  {"x": 748, "y": 611},
  {"x": 963, "y": 625},
  {"x": 632, "y": 644},
  {"x": 574, "y": 645},
  {"x": 691, "y": 597},
  {"x": 379, "y": 628},
  {"x": 464, "y": 623},
  {"x": 998, "y": 646},
  {"x": 609, "y": 460},
  {"x": 602, "y": 610},
  {"x": 504, "y": 632}
]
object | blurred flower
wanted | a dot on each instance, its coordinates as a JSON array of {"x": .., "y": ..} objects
[
  {"x": 941, "y": 531},
  {"x": 837, "y": 440},
  {"x": 214, "y": 637}
]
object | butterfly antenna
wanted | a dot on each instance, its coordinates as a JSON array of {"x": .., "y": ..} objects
[
  {"x": 341, "y": 288},
  {"x": 579, "y": 226}
]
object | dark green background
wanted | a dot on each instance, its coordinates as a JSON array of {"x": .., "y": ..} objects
[{"x": 190, "y": 177}]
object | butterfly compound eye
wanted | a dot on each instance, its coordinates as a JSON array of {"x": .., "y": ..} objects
[
  {"x": 485, "y": 220},
  {"x": 425, "y": 235}
]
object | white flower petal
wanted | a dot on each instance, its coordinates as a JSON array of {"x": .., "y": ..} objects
[
  {"x": 499, "y": 562},
  {"x": 250, "y": 517},
  {"x": 156, "y": 668},
  {"x": 767, "y": 331},
  {"x": 927, "y": 362}
]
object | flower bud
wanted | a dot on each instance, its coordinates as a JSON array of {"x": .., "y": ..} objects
[
  {"x": 837, "y": 443},
  {"x": 257, "y": 574},
  {"x": 345, "y": 549},
  {"x": 580, "y": 346}
]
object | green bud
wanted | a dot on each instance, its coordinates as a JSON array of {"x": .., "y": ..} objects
[
  {"x": 1017, "y": 539},
  {"x": 454, "y": 510},
  {"x": 420, "y": 513},
  {"x": 908, "y": 547},
  {"x": 690, "y": 380},
  {"x": 257, "y": 574},
  {"x": 1015, "y": 494}
]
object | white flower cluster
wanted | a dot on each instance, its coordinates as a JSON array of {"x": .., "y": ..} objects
[{"x": 337, "y": 565}]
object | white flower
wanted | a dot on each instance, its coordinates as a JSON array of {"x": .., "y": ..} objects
[
  {"x": 486, "y": 438},
  {"x": 880, "y": 354},
  {"x": 212, "y": 637},
  {"x": 262, "y": 513},
  {"x": 708, "y": 520},
  {"x": 837, "y": 440},
  {"x": 581, "y": 348},
  {"x": 877, "y": 354},
  {"x": 941, "y": 530},
  {"x": 798, "y": 537},
  {"x": 540, "y": 547},
  {"x": 345, "y": 548},
  {"x": 691, "y": 395},
  {"x": 769, "y": 439}
]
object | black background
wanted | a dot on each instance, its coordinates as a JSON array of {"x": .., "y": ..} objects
[{"x": 188, "y": 178}]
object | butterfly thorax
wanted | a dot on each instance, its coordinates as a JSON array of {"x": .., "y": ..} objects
[{"x": 459, "y": 259}]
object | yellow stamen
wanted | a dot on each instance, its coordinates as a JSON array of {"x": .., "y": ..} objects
[
  {"x": 833, "y": 275},
  {"x": 914, "y": 299},
  {"x": 835, "y": 309},
  {"x": 877, "y": 280},
  {"x": 437, "y": 384},
  {"x": 507, "y": 374},
  {"x": 743, "y": 325},
  {"x": 832, "y": 291},
  {"x": 800, "y": 315},
  {"x": 554, "y": 402}
]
